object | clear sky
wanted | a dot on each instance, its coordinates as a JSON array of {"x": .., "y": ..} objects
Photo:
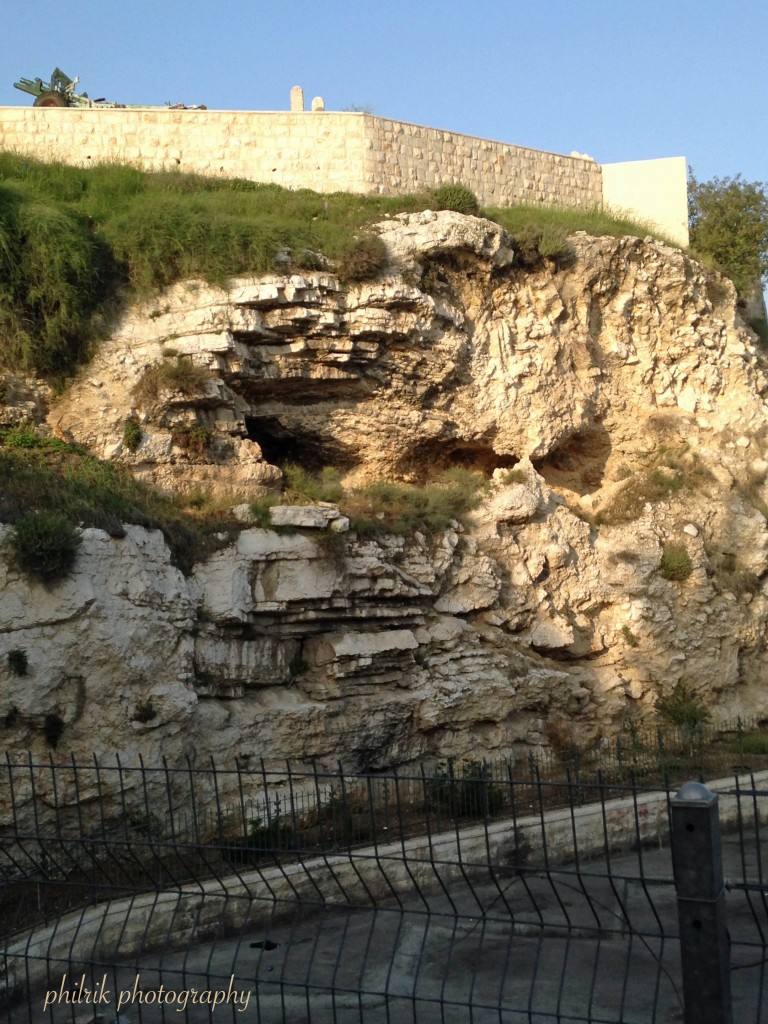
[{"x": 617, "y": 79}]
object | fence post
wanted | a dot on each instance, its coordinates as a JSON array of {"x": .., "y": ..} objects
[{"x": 697, "y": 864}]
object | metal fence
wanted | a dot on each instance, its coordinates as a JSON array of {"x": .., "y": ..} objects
[{"x": 138, "y": 893}]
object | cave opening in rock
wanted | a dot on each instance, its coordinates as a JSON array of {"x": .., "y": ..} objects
[
  {"x": 431, "y": 456},
  {"x": 579, "y": 463},
  {"x": 280, "y": 444}
]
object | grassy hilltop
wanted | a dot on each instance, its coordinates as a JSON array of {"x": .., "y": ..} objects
[
  {"x": 73, "y": 241},
  {"x": 76, "y": 243}
]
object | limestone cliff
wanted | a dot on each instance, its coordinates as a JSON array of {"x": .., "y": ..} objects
[{"x": 615, "y": 404}]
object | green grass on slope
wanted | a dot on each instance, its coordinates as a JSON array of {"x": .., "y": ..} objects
[
  {"x": 388, "y": 507},
  {"x": 44, "y": 473},
  {"x": 546, "y": 228},
  {"x": 72, "y": 240}
]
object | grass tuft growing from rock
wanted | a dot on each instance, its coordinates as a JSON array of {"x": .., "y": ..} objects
[
  {"x": 44, "y": 545},
  {"x": 302, "y": 486},
  {"x": 175, "y": 375},
  {"x": 386, "y": 506},
  {"x": 675, "y": 563},
  {"x": 670, "y": 470}
]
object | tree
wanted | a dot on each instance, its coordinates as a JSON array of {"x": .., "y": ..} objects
[
  {"x": 686, "y": 710},
  {"x": 728, "y": 221}
]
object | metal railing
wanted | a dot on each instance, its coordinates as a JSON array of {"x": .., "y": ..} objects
[{"x": 456, "y": 893}]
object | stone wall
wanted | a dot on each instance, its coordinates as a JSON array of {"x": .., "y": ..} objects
[
  {"x": 297, "y": 150},
  {"x": 322, "y": 150},
  {"x": 403, "y": 157},
  {"x": 347, "y": 151}
]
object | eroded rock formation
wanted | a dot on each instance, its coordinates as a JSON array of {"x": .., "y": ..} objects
[{"x": 615, "y": 405}]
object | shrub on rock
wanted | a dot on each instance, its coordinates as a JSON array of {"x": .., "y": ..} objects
[
  {"x": 456, "y": 197},
  {"x": 44, "y": 545}
]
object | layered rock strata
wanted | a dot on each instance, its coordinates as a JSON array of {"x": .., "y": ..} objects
[{"x": 614, "y": 404}]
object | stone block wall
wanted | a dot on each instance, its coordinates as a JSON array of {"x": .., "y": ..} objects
[
  {"x": 298, "y": 150},
  {"x": 346, "y": 151},
  {"x": 325, "y": 151},
  {"x": 403, "y": 157}
]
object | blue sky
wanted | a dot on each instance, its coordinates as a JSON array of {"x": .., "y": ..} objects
[{"x": 619, "y": 80}]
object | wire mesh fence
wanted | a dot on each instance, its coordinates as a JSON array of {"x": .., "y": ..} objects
[{"x": 451, "y": 893}]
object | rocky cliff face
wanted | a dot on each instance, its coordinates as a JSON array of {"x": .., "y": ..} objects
[{"x": 615, "y": 405}]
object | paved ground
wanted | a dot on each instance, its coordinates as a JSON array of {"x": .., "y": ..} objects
[{"x": 540, "y": 948}]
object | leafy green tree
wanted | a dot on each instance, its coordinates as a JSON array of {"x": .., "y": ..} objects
[
  {"x": 687, "y": 711},
  {"x": 728, "y": 221}
]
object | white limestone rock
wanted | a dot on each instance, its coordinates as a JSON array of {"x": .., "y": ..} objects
[
  {"x": 572, "y": 389},
  {"x": 310, "y": 517},
  {"x": 412, "y": 235}
]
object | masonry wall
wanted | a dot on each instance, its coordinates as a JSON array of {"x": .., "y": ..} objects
[
  {"x": 317, "y": 151},
  {"x": 324, "y": 151},
  {"x": 352, "y": 152},
  {"x": 403, "y": 157}
]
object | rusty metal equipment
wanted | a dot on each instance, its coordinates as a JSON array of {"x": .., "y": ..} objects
[{"x": 60, "y": 92}]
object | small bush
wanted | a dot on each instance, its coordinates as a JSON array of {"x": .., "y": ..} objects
[
  {"x": 535, "y": 242},
  {"x": 145, "y": 711},
  {"x": 730, "y": 576},
  {"x": 44, "y": 545},
  {"x": 683, "y": 708},
  {"x": 343, "y": 819},
  {"x": 466, "y": 791},
  {"x": 53, "y": 728},
  {"x": 740, "y": 583},
  {"x": 132, "y": 435},
  {"x": 675, "y": 563},
  {"x": 753, "y": 743},
  {"x": 270, "y": 836},
  {"x": 513, "y": 476},
  {"x": 177, "y": 375},
  {"x": 752, "y": 488},
  {"x": 629, "y": 636},
  {"x": 18, "y": 662},
  {"x": 456, "y": 197},
  {"x": 554, "y": 245},
  {"x": 194, "y": 440},
  {"x": 23, "y": 437},
  {"x": 363, "y": 259},
  {"x": 665, "y": 424},
  {"x": 561, "y": 738}
]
